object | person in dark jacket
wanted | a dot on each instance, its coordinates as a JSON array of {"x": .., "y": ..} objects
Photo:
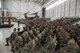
[{"x": 18, "y": 23}]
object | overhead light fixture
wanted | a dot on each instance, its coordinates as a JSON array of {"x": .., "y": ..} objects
[{"x": 55, "y": 4}]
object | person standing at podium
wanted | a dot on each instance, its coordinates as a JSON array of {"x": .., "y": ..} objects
[{"x": 18, "y": 23}]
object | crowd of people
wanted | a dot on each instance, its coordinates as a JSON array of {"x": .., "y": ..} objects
[{"x": 59, "y": 36}]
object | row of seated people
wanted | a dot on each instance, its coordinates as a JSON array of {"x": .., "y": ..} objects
[
  {"x": 43, "y": 41},
  {"x": 49, "y": 39},
  {"x": 26, "y": 40}
]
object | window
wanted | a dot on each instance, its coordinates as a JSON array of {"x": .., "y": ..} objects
[
  {"x": 55, "y": 4},
  {"x": 0, "y": 4}
]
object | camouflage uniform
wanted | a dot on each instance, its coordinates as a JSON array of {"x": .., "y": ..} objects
[
  {"x": 29, "y": 47},
  {"x": 25, "y": 37},
  {"x": 72, "y": 47},
  {"x": 18, "y": 43}
]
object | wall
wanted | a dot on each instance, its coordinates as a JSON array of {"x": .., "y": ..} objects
[
  {"x": 17, "y": 8},
  {"x": 69, "y": 8}
]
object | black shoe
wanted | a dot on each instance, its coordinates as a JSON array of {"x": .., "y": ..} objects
[
  {"x": 6, "y": 44},
  {"x": 12, "y": 50}
]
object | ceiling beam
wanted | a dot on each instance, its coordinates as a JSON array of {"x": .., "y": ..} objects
[{"x": 42, "y": 2}]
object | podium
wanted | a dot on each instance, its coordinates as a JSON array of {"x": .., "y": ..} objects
[{"x": 9, "y": 25}]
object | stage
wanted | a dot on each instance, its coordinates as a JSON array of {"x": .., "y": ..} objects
[{"x": 6, "y": 25}]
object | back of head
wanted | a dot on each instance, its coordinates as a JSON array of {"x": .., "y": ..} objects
[
  {"x": 32, "y": 37},
  {"x": 14, "y": 29},
  {"x": 23, "y": 28},
  {"x": 18, "y": 29}
]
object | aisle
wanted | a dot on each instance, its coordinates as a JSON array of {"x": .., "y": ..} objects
[{"x": 5, "y": 32}]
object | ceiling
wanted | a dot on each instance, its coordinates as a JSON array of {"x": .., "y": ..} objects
[{"x": 40, "y": 2}]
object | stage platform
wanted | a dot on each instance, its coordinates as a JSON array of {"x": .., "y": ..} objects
[{"x": 6, "y": 26}]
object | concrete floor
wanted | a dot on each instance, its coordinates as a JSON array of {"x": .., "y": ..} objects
[{"x": 4, "y": 33}]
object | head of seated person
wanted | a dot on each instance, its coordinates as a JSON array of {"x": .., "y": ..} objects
[
  {"x": 38, "y": 31},
  {"x": 29, "y": 27},
  {"x": 23, "y": 28},
  {"x": 14, "y": 30},
  {"x": 33, "y": 28},
  {"x": 31, "y": 37},
  {"x": 30, "y": 32},
  {"x": 18, "y": 30}
]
